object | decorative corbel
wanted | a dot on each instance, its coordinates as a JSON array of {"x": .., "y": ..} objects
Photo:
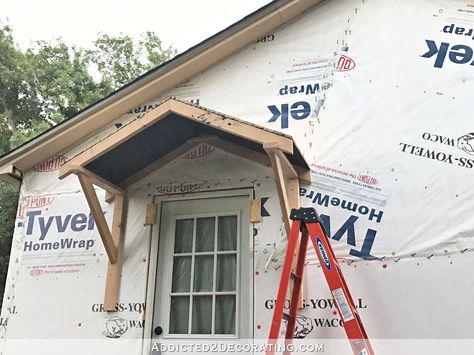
[
  {"x": 112, "y": 238},
  {"x": 287, "y": 182}
]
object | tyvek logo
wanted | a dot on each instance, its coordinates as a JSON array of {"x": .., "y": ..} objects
[
  {"x": 178, "y": 188},
  {"x": 51, "y": 164},
  {"x": 33, "y": 202},
  {"x": 323, "y": 253},
  {"x": 115, "y": 327},
  {"x": 199, "y": 151},
  {"x": 36, "y": 272},
  {"x": 367, "y": 180},
  {"x": 345, "y": 63},
  {"x": 38, "y": 201},
  {"x": 466, "y": 143},
  {"x": 303, "y": 326}
]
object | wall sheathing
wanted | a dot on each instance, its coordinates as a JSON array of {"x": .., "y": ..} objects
[{"x": 377, "y": 95}]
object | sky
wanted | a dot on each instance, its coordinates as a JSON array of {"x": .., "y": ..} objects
[{"x": 180, "y": 23}]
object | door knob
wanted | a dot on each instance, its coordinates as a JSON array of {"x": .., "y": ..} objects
[{"x": 158, "y": 330}]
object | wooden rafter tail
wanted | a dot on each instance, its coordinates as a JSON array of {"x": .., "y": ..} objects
[
  {"x": 99, "y": 217},
  {"x": 304, "y": 175}
]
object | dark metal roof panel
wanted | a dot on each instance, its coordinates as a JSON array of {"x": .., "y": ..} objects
[{"x": 160, "y": 139}]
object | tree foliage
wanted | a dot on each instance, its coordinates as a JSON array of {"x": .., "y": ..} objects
[
  {"x": 51, "y": 81},
  {"x": 8, "y": 204},
  {"x": 18, "y": 94},
  {"x": 122, "y": 59}
]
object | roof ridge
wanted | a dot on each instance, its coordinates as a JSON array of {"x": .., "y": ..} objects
[{"x": 230, "y": 117}]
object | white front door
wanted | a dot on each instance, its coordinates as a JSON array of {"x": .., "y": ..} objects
[{"x": 202, "y": 287}]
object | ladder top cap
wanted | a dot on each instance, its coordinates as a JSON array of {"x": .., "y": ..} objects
[{"x": 306, "y": 214}]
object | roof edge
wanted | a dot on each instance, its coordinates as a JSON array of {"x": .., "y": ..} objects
[{"x": 153, "y": 83}]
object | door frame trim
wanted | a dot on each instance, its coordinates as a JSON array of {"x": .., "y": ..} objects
[{"x": 153, "y": 254}]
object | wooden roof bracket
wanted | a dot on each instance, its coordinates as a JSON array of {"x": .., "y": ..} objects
[
  {"x": 111, "y": 238},
  {"x": 288, "y": 187},
  {"x": 287, "y": 182},
  {"x": 11, "y": 175}
]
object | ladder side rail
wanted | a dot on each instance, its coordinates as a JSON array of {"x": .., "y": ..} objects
[
  {"x": 326, "y": 242},
  {"x": 352, "y": 323},
  {"x": 331, "y": 270},
  {"x": 284, "y": 282},
  {"x": 298, "y": 282}
]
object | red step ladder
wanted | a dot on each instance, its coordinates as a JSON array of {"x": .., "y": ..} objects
[{"x": 306, "y": 221}]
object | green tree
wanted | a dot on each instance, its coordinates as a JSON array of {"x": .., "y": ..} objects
[
  {"x": 50, "y": 82},
  {"x": 8, "y": 204},
  {"x": 19, "y": 106},
  {"x": 63, "y": 80},
  {"x": 122, "y": 59}
]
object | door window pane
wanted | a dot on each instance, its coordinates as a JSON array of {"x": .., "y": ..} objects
[
  {"x": 227, "y": 233},
  {"x": 225, "y": 315},
  {"x": 205, "y": 234},
  {"x": 181, "y": 274},
  {"x": 184, "y": 235},
  {"x": 226, "y": 272},
  {"x": 204, "y": 280},
  {"x": 202, "y": 315},
  {"x": 203, "y": 273},
  {"x": 179, "y": 315}
]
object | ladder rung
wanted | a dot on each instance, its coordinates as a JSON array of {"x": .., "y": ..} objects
[
  {"x": 294, "y": 277},
  {"x": 287, "y": 317}
]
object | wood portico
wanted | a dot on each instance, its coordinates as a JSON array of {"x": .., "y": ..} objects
[{"x": 157, "y": 139}]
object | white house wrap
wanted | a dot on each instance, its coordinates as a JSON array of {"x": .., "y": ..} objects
[{"x": 376, "y": 94}]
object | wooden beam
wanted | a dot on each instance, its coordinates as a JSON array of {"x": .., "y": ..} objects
[
  {"x": 287, "y": 167},
  {"x": 304, "y": 175},
  {"x": 150, "y": 214},
  {"x": 99, "y": 217},
  {"x": 287, "y": 181},
  {"x": 293, "y": 193},
  {"x": 119, "y": 136},
  {"x": 239, "y": 150},
  {"x": 95, "y": 179},
  {"x": 109, "y": 197},
  {"x": 291, "y": 171},
  {"x": 255, "y": 210},
  {"x": 281, "y": 189},
  {"x": 218, "y": 121},
  {"x": 114, "y": 270},
  {"x": 11, "y": 175},
  {"x": 112, "y": 240},
  {"x": 287, "y": 184},
  {"x": 232, "y": 125}
]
